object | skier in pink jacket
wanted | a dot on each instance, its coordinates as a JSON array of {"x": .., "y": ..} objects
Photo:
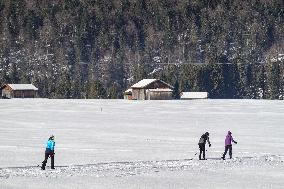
[{"x": 228, "y": 145}]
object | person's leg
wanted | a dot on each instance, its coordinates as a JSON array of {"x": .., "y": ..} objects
[
  {"x": 44, "y": 161},
  {"x": 230, "y": 151},
  {"x": 52, "y": 161},
  {"x": 200, "y": 151},
  {"x": 203, "y": 151},
  {"x": 226, "y": 150}
]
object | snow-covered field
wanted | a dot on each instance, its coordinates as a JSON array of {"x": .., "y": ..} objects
[{"x": 141, "y": 144}]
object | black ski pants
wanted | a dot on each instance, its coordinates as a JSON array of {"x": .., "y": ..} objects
[
  {"x": 48, "y": 153},
  {"x": 201, "y": 150},
  {"x": 228, "y": 147}
]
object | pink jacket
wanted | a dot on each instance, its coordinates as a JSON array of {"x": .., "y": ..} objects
[{"x": 228, "y": 140}]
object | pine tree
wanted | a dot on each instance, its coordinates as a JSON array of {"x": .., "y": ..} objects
[{"x": 176, "y": 91}]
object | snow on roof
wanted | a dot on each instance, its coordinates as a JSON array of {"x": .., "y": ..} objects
[
  {"x": 194, "y": 95},
  {"x": 143, "y": 83},
  {"x": 22, "y": 87},
  {"x": 128, "y": 91},
  {"x": 160, "y": 90}
]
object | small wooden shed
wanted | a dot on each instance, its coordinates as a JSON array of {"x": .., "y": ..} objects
[
  {"x": 150, "y": 89},
  {"x": 193, "y": 95},
  {"x": 19, "y": 91},
  {"x": 128, "y": 94}
]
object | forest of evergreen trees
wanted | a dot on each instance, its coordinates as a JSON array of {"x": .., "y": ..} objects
[{"x": 98, "y": 48}]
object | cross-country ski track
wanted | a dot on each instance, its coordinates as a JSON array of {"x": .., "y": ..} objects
[{"x": 122, "y": 169}]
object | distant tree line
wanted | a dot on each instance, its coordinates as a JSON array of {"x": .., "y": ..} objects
[{"x": 97, "y": 49}]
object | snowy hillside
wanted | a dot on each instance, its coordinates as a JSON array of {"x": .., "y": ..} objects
[{"x": 141, "y": 144}]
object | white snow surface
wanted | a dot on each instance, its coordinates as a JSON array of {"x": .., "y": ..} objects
[{"x": 141, "y": 144}]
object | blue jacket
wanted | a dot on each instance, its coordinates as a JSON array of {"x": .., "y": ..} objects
[{"x": 50, "y": 145}]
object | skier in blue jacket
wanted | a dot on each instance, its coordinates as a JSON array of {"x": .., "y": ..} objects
[{"x": 49, "y": 152}]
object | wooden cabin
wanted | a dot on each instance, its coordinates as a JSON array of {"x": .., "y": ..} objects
[
  {"x": 150, "y": 89},
  {"x": 19, "y": 91},
  {"x": 193, "y": 95}
]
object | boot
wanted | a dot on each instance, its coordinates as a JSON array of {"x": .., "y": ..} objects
[{"x": 43, "y": 165}]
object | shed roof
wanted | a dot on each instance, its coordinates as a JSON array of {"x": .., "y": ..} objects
[
  {"x": 194, "y": 95},
  {"x": 22, "y": 87},
  {"x": 128, "y": 91},
  {"x": 160, "y": 90},
  {"x": 143, "y": 83}
]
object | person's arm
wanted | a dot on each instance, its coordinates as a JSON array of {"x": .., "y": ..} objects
[
  {"x": 52, "y": 147},
  {"x": 234, "y": 141},
  {"x": 209, "y": 142}
]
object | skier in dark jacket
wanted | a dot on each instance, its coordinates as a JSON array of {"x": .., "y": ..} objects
[
  {"x": 228, "y": 145},
  {"x": 49, "y": 152},
  {"x": 201, "y": 144}
]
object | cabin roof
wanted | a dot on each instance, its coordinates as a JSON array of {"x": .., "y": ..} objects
[
  {"x": 22, "y": 86},
  {"x": 160, "y": 90},
  {"x": 143, "y": 83}
]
